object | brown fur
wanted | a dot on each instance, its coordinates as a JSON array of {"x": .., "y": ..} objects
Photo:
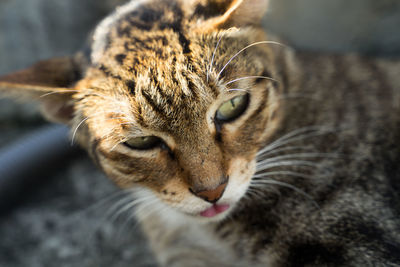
[{"x": 330, "y": 199}]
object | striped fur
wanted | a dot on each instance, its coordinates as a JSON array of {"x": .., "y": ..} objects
[{"x": 312, "y": 164}]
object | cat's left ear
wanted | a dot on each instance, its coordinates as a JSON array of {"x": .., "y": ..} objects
[
  {"x": 49, "y": 82},
  {"x": 240, "y": 13}
]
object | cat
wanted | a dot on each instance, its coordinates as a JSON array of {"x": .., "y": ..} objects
[{"x": 240, "y": 151}]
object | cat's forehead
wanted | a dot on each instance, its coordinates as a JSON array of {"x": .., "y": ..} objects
[
  {"x": 150, "y": 19},
  {"x": 154, "y": 58},
  {"x": 152, "y": 29}
]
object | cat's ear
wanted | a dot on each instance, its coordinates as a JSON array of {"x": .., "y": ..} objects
[
  {"x": 49, "y": 82},
  {"x": 238, "y": 13}
]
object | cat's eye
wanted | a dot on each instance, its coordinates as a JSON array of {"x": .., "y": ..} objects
[
  {"x": 232, "y": 109},
  {"x": 143, "y": 142}
]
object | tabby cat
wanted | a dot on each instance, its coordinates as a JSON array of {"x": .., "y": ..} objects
[{"x": 239, "y": 150}]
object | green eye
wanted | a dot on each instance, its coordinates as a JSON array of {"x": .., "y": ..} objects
[
  {"x": 144, "y": 142},
  {"x": 232, "y": 109}
]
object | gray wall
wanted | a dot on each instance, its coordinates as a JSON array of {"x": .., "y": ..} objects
[
  {"x": 369, "y": 26},
  {"x": 36, "y": 29}
]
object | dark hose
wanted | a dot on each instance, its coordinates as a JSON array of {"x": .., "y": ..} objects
[{"x": 25, "y": 164}]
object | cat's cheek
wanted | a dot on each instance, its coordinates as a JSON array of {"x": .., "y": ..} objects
[
  {"x": 241, "y": 171},
  {"x": 175, "y": 193}
]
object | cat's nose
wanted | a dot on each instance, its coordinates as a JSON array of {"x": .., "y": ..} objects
[{"x": 212, "y": 195}]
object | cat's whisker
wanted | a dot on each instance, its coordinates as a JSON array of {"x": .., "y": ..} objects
[
  {"x": 271, "y": 148},
  {"x": 129, "y": 206},
  {"x": 118, "y": 204},
  {"x": 87, "y": 118},
  {"x": 301, "y": 131},
  {"x": 81, "y": 122},
  {"x": 58, "y": 92},
  {"x": 300, "y": 163},
  {"x": 117, "y": 144},
  {"x": 238, "y": 89},
  {"x": 294, "y": 139},
  {"x": 251, "y": 192},
  {"x": 212, "y": 58},
  {"x": 250, "y": 77},
  {"x": 283, "y": 149},
  {"x": 104, "y": 200},
  {"x": 283, "y": 173},
  {"x": 294, "y": 188},
  {"x": 108, "y": 200},
  {"x": 298, "y": 156},
  {"x": 262, "y": 189},
  {"x": 149, "y": 205},
  {"x": 150, "y": 209},
  {"x": 296, "y": 135},
  {"x": 76, "y": 129},
  {"x": 243, "y": 49},
  {"x": 95, "y": 91},
  {"x": 87, "y": 92},
  {"x": 297, "y": 96},
  {"x": 129, "y": 196}
]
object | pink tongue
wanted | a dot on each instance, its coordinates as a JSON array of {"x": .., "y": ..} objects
[{"x": 214, "y": 210}]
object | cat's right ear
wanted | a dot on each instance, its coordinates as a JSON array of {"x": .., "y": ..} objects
[
  {"x": 49, "y": 82},
  {"x": 235, "y": 13}
]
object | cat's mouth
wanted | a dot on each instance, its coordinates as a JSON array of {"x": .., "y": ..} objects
[{"x": 214, "y": 210}]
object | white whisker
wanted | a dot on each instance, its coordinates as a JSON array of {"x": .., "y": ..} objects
[
  {"x": 299, "y": 95},
  {"x": 292, "y": 136},
  {"x": 284, "y": 173},
  {"x": 117, "y": 205},
  {"x": 150, "y": 209},
  {"x": 238, "y": 89},
  {"x": 132, "y": 216},
  {"x": 240, "y": 51},
  {"x": 298, "y": 156},
  {"x": 301, "y": 163},
  {"x": 109, "y": 198},
  {"x": 294, "y": 139},
  {"x": 251, "y": 77},
  {"x": 112, "y": 149},
  {"x": 58, "y": 92},
  {"x": 294, "y": 188},
  {"x": 289, "y": 148},
  {"x": 76, "y": 129},
  {"x": 252, "y": 193},
  {"x": 212, "y": 58},
  {"x": 129, "y": 206}
]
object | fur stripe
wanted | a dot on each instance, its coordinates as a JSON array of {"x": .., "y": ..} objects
[
  {"x": 154, "y": 106},
  {"x": 108, "y": 72},
  {"x": 102, "y": 31}
]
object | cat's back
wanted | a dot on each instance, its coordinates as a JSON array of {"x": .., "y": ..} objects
[
  {"x": 355, "y": 92},
  {"x": 344, "y": 111}
]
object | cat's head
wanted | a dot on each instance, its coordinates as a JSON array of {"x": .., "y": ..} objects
[{"x": 175, "y": 97}]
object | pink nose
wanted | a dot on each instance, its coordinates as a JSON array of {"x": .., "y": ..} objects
[{"x": 212, "y": 195}]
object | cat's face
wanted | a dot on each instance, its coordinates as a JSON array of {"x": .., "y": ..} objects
[
  {"x": 161, "y": 116},
  {"x": 178, "y": 103}
]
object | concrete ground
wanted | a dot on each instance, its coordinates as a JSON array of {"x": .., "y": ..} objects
[{"x": 68, "y": 221}]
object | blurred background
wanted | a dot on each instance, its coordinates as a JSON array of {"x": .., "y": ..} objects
[{"x": 63, "y": 222}]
